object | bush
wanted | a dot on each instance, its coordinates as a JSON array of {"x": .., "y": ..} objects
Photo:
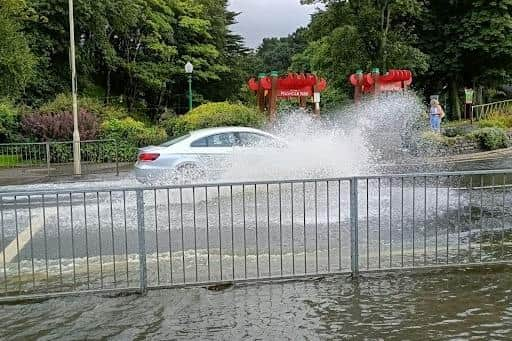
[
  {"x": 132, "y": 131},
  {"x": 9, "y": 123},
  {"x": 214, "y": 115},
  {"x": 131, "y": 135},
  {"x": 491, "y": 138},
  {"x": 453, "y": 131},
  {"x": 59, "y": 126}
]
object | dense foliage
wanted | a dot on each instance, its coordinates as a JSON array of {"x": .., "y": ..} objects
[
  {"x": 17, "y": 61},
  {"x": 129, "y": 49}
]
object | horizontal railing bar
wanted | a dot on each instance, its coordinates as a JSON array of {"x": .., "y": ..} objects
[
  {"x": 260, "y": 280},
  {"x": 51, "y": 142},
  {"x": 144, "y": 187},
  {"x": 492, "y": 103}
]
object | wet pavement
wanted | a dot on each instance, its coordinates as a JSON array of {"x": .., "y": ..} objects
[{"x": 463, "y": 304}]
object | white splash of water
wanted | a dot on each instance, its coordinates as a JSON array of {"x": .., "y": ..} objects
[{"x": 350, "y": 142}]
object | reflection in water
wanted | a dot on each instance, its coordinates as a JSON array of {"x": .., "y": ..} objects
[{"x": 464, "y": 303}]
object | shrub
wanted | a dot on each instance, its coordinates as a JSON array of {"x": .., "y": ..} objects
[
  {"x": 213, "y": 115},
  {"x": 130, "y": 135},
  {"x": 491, "y": 138},
  {"x": 132, "y": 131},
  {"x": 59, "y": 126},
  {"x": 453, "y": 131},
  {"x": 9, "y": 122}
]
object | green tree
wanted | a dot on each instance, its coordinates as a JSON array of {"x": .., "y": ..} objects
[
  {"x": 17, "y": 63},
  {"x": 348, "y": 35},
  {"x": 469, "y": 42},
  {"x": 276, "y": 54}
]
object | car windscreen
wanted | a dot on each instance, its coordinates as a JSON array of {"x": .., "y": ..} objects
[{"x": 174, "y": 141}]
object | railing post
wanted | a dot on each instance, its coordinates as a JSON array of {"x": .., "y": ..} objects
[
  {"x": 117, "y": 157},
  {"x": 354, "y": 239},
  {"x": 47, "y": 144},
  {"x": 142, "y": 242}
]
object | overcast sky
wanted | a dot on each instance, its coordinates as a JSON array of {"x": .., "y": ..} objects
[{"x": 269, "y": 18}]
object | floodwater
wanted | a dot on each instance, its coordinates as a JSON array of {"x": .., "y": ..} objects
[{"x": 459, "y": 304}]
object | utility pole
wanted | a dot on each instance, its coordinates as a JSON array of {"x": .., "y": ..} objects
[{"x": 76, "y": 134}]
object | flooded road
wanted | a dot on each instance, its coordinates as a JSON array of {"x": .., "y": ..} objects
[{"x": 462, "y": 304}]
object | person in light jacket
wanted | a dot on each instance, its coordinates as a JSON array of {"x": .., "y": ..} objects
[{"x": 436, "y": 115}]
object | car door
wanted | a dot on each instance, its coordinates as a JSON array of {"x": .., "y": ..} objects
[{"x": 215, "y": 151}]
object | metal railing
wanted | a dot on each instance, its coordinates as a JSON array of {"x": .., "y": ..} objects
[
  {"x": 133, "y": 239},
  {"x": 56, "y": 158},
  {"x": 482, "y": 111}
]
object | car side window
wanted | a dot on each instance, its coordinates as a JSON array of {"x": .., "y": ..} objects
[
  {"x": 251, "y": 139},
  {"x": 200, "y": 143},
  {"x": 217, "y": 140}
]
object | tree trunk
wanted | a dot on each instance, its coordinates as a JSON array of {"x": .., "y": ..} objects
[
  {"x": 453, "y": 99},
  {"x": 385, "y": 26},
  {"x": 480, "y": 95}
]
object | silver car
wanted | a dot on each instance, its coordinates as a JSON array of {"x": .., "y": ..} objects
[{"x": 200, "y": 155}]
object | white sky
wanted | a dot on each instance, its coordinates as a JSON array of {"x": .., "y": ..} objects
[{"x": 268, "y": 18}]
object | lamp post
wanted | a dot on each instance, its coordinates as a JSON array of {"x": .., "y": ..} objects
[
  {"x": 76, "y": 135},
  {"x": 189, "y": 68}
]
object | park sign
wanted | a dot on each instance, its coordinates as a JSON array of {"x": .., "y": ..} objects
[
  {"x": 301, "y": 87},
  {"x": 306, "y": 92}
]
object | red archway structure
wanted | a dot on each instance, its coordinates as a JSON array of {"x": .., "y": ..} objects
[
  {"x": 269, "y": 89},
  {"x": 375, "y": 83}
]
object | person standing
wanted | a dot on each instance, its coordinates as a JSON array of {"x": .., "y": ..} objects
[
  {"x": 436, "y": 115},
  {"x": 468, "y": 109}
]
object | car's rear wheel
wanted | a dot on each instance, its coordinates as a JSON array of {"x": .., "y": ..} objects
[{"x": 189, "y": 174}]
